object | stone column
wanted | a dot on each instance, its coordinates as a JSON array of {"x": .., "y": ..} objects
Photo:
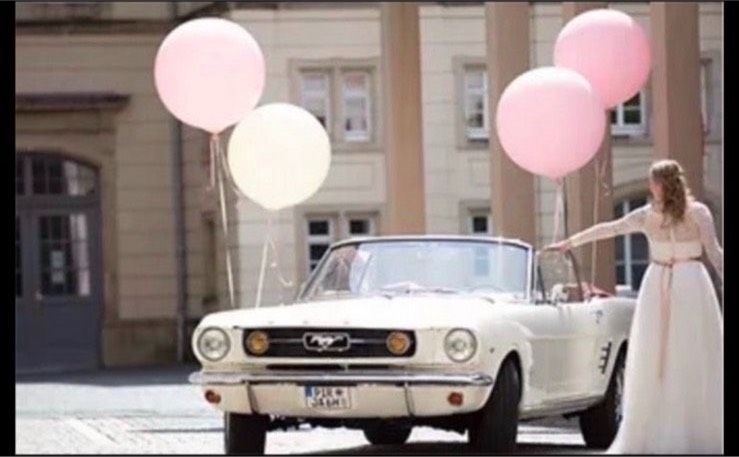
[
  {"x": 676, "y": 126},
  {"x": 581, "y": 192},
  {"x": 401, "y": 87},
  {"x": 512, "y": 188}
]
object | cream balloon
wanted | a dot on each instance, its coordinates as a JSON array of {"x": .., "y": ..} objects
[{"x": 279, "y": 155}]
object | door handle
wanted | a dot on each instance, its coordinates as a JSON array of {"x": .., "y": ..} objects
[{"x": 39, "y": 296}]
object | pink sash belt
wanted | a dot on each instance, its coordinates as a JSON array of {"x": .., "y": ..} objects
[{"x": 665, "y": 292}]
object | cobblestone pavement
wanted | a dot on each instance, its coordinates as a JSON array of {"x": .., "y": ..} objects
[{"x": 155, "y": 411}]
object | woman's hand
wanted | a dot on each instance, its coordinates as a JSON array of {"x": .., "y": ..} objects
[{"x": 561, "y": 246}]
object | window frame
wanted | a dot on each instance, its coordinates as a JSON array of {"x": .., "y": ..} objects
[
  {"x": 476, "y": 135},
  {"x": 479, "y": 212},
  {"x": 336, "y": 68},
  {"x": 367, "y": 135},
  {"x": 619, "y": 128},
  {"x": 461, "y": 64},
  {"x": 326, "y": 74}
]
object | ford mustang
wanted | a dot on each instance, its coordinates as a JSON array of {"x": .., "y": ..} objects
[{"x": 470, "y": 334}]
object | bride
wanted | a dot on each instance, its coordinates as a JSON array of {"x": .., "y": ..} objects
[{"x": 673, "y": 387}]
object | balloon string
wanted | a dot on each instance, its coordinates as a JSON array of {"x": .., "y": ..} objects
[
  {"x": 558, "y": 209},
  {"x": 275, "y": 265},
  {"x": 215, "y": 141},
  {"x": 213, "y": 160},
  {"x": 265, "y": 246},
  {"x": 600, "y": 184}
]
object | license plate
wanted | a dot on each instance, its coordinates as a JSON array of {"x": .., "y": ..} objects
[{"x": 327, "y": 397}]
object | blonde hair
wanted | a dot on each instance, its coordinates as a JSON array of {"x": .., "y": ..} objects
[{"x": 675, "y": 191}]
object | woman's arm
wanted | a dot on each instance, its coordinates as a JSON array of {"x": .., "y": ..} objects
[
  {"x": 704, "y": 219},
  {"x": 631, "y": 222}
]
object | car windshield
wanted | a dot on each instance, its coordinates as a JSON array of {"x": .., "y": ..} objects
[{"x": 404, "y": 267}]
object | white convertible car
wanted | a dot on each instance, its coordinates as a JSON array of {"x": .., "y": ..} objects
[{"x": 470, "y": 334}]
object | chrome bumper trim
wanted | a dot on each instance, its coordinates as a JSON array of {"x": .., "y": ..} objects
[{"x": 354, "y": 377}]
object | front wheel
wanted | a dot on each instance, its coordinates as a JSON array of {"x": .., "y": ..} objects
[
  {"x": 245, "y": 434},
  {"x": 600, "y": 423},
  {"x": 494, "y": 428}
]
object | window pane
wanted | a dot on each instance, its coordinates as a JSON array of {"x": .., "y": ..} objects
[
  {"x": 315, "y": 96},
  {"x": 480, "y": 224},
  {"x": 620, "y": 275},
  {"x": 318, "y": 228},
  {"x": 639, "y": 247},
  {"x": 38, "y": 170},
  {"x": 19, "y": 176},
  {"x": 620, "y": 248},
  {"x": 359, "y": 227},
  {"x": 475, "y": 104},
  {"x": 637, "y": 275},
  {"x": 61, "y": 177},
  {"x": 632, "y": 117},
  {"x": 18, "y": 259},
  {"x": 64, "y": 251},
  {"x": 474, "y": 80},
  {"x": 356, "y": 109},
  {"x": 614, "y": 117}
]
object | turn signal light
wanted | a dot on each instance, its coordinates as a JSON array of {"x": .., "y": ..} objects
[
  {"x": 257, "y": 342},
  {"x": 398, "y": 343},
  {"x": 455, "y": 398}
]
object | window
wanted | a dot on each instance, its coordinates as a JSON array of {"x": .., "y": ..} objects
[
  {"x": 18, "y": 259},
  {"x": 476, "y": 124},
  {"x": 705, "y": 81},
  {"x": 64, "y": 246},
  {"x": 341, "y": 96},
  {"x": 480, "y": 222},
  {"x": 320, "y": 237},
  {"x": 61, "y": 177},
  {"x": 315, "y": 96},
  {"x": 628, "y": 118},
  {"x": 327, "y": 229},
  {"x": 356, "y": 106},
  {"x": 632, "y": 251}
]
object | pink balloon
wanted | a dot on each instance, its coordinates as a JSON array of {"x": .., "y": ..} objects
[
  {"x": 610, "y": 49},
  {"x": 550, "y": 121},
  {"x": 209, "y": 73}
]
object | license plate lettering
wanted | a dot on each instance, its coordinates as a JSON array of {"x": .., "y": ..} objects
[{"x": 327, "y": 397}]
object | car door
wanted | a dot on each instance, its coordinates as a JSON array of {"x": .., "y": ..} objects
[{"x": 573, "y": 328}]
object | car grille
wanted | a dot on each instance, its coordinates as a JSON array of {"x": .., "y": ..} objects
[{"x": 306, "y": 342}]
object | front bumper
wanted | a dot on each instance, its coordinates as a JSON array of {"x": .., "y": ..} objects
[{"x": 373, "y": 393}]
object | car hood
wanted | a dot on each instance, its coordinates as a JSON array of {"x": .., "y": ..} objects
[{"x": 406, "y": 312}]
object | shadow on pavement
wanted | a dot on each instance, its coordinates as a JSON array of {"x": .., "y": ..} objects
[
  {"x": 148, "y": 376},
  {"x": 452, "y": 449}
]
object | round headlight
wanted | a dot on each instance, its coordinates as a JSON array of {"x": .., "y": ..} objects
[
  {"x": 398, "y": 343},
  {"x": 257, "y": 342},
  {"x": 460, "y": 345},
  {"x": 213, "y": 344}
]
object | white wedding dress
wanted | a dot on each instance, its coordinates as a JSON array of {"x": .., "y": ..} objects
[{"x": 677, "y": 310}]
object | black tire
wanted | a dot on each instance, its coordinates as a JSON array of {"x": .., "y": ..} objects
[
  {"x": 245, "y": 434},
  {"x": 495, "y": 427},
  {"x": 600, "y": 422},
  {"x": 386, "y": 433}
]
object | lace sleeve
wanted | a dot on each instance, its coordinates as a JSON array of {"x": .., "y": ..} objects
[
  {"x": 704, "y": 220},
  {"x": 631, "y": 222}
]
